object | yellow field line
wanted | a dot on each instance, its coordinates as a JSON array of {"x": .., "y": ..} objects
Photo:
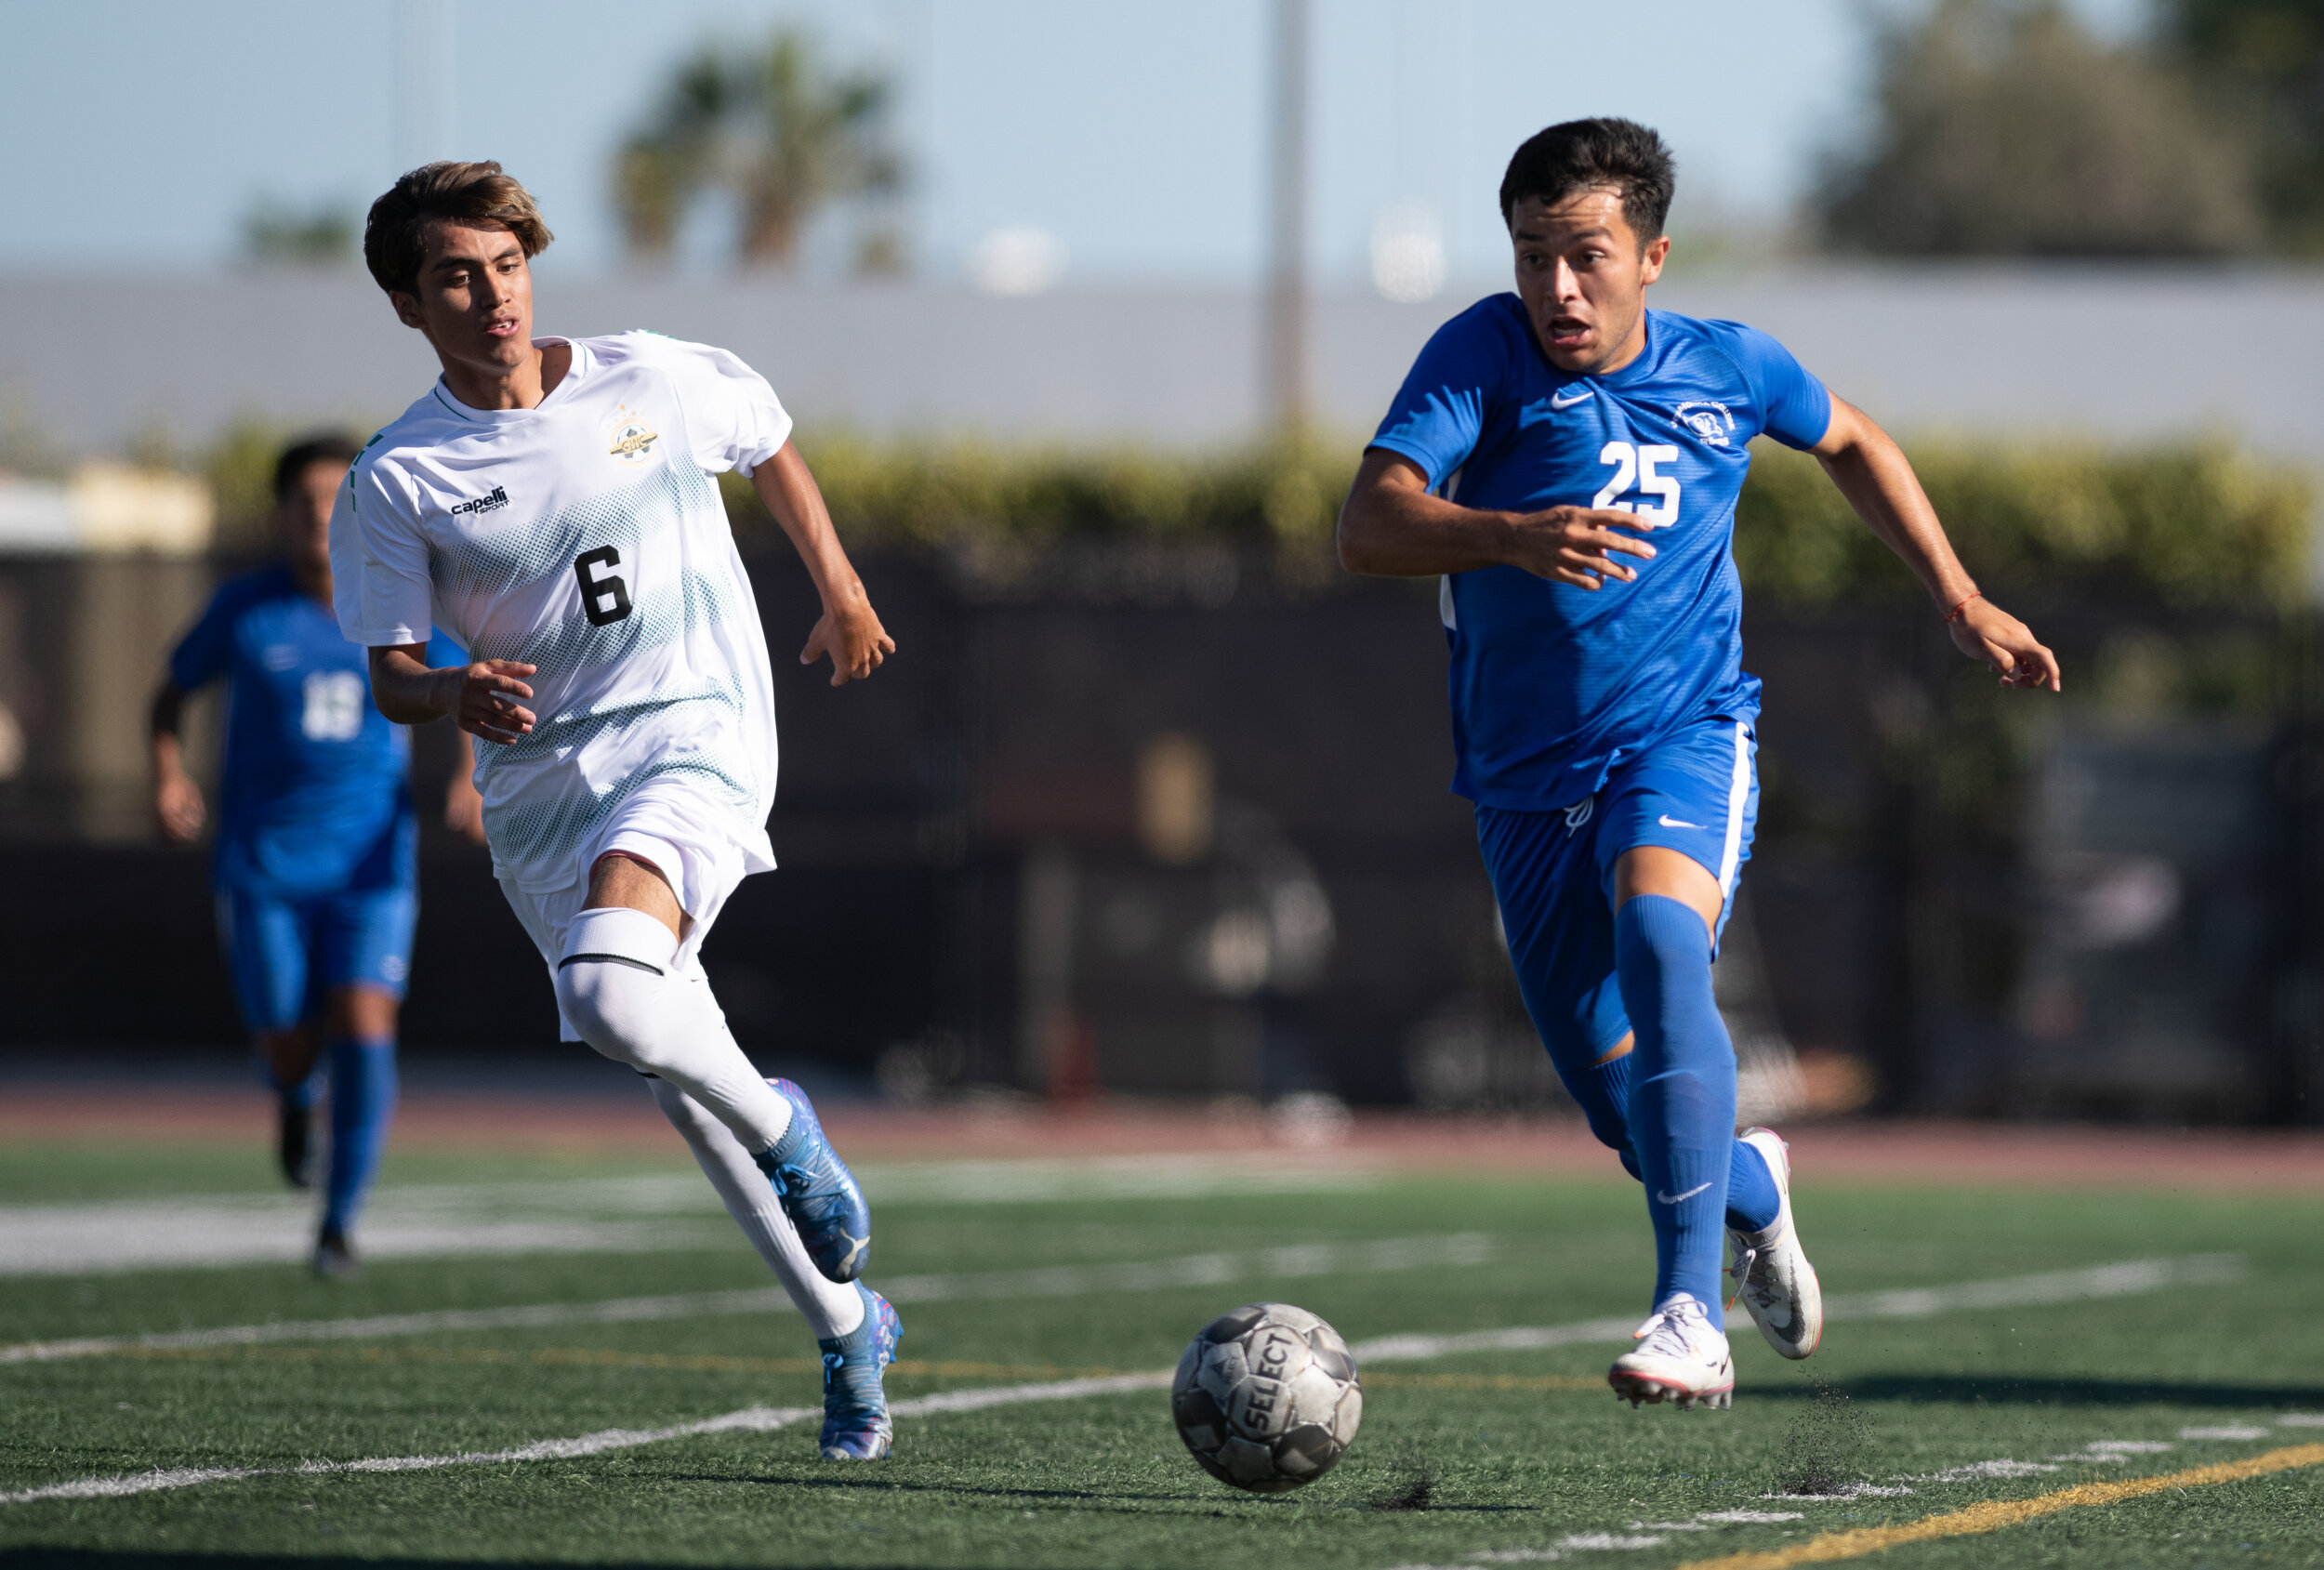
[{"x": 1994, "y": 1515}]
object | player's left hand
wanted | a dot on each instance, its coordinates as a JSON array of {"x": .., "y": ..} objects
[
  {"x": 484, "y": 698},
  {"x": 1987, "y": 632},
  {"x": 851, "y": 634}
]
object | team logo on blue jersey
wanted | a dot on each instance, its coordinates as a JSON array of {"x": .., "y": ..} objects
[
  {"x": 633, "y": 439},
  {"x": 1711, "y": 422}
]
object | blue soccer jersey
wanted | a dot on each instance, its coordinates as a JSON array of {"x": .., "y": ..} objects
[
  {"x": 313, "y": 794},
  {"x": 1552, "y": 685}
]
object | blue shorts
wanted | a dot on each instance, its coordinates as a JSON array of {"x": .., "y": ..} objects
[
  {"x": 1552, "y": 874},
  {"x": 287, "y": 952}
]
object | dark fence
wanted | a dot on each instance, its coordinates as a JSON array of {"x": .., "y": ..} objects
[{"x": 1176, "y": 822}]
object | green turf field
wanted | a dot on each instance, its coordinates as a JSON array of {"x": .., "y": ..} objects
[{"x": 1467, "y": 1456}]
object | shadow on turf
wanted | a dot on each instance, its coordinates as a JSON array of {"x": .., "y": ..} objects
[
  {"x": 883, "y": 1485},
  {"x": 1967, "y": 1390},
  {"x": 1401, "y": 1498}
]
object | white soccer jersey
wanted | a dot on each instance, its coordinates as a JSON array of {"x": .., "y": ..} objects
[{"x": 586, "y": 536}]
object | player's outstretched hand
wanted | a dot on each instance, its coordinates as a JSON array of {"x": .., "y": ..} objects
[
  {"x": 488, "y": 706},
  {"x": 851, "y": 634},
  {"x": 178, "y": 807},
  {"x": 1987, "y": 632},
  {"x": 1576, "y": 545}
]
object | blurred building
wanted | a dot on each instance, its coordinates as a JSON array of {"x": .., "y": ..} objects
[{"x": 2024, "y": 352}]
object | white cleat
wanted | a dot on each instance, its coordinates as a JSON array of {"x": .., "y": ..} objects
[
  {"x": 1679, "y": 1357},
  {"x": 1772, "y": 1274}
]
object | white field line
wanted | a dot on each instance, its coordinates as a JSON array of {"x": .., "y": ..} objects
[
  {"x": 750, "y": 1419},
  {"x": 1053, "y": 1281},
  {"x": 415, "y": 1220},
  {"x": 2108, "y": 1279},
  {"x": 2128, "y": 1278},
  {"x": 586, "y": 1215},
  {"x": 1655, "y": 1533}
]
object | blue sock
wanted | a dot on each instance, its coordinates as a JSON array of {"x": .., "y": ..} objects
[
  {"x": 1604, "y": 1097},
  {"x": 362, "y": 1102},
  {"x": 1753, "y": 1202},
  {"x": 1604, "y": 1093},
  {"x": 1682, "y": 1105}
]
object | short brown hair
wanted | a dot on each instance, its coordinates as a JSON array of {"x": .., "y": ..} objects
[{"x": 395, "y": 235}]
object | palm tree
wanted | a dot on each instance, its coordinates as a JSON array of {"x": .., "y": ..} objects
[{"x": 774, "y": 128}]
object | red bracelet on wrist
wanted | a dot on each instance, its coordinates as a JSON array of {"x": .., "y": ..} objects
[{"x": 1954, "y": 614}]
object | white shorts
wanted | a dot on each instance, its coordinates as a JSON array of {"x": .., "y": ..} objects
[{"x": 692, "y": 850}]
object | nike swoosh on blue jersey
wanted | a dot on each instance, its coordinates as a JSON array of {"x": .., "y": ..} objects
[
  {"x": 1666, "y": 820},
  {"x": 1559, "y": 401}
]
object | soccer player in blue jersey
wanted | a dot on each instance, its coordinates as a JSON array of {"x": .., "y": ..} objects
[
  {"x": 314, "y": 864},
  {"x": 1569, "y": 461}
]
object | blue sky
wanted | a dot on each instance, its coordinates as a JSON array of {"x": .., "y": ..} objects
[{"x": 144, "y": 129}]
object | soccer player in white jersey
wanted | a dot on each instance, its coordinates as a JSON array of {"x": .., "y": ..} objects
[{"x": 553, "y": 500}]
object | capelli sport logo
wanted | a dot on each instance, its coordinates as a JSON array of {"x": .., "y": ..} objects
[
  {"x": 491, "y": 502},
  {"x": 633, "y": 439}
]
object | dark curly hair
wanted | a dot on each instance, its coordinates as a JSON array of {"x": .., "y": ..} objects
[
  {"x": 395, "y": 235},
  {"x": 1578, "y": 155}
]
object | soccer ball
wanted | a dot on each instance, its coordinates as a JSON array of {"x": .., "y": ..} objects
[{"x": 1267, "y": 1398}]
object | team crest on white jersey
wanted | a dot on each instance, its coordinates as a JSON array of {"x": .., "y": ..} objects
[
  {"x": 633, "y": 440},
  {"x": 1709, "y": 421}
]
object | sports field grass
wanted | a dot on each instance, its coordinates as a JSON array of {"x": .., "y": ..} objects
[{"x": 2022, "y": 1374}]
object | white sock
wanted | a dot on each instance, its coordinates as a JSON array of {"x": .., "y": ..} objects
[
  {"x": 830, "y": 1309},
  {"x": 618, "y": 984}
]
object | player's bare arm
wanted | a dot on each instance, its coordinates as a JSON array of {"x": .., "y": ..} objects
[
  {"x": 178, "y": 806},
  {"x": 848, "y": 629},
  {"x": 463, "y": 803},
  {"x": 483, "y": 696},
  {"x": 1393, "y": 526},
  {"x": 1871, "y": 472}
]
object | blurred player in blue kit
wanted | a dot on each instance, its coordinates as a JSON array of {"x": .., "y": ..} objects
[
  {"x": 315, "y": 861},
  {"x": 1568, "y": 461}
]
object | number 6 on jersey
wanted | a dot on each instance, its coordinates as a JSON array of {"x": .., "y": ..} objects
[{"x": 604, "y": 599}]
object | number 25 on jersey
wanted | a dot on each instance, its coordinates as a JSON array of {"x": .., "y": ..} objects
[{"x": 1634, "y": 469}]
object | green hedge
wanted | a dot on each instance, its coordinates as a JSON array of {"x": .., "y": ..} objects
[
  {"x": 2189, "y": 524},
  {"x": 240, "y": 469},
  {"x": 937, "y": 494}
]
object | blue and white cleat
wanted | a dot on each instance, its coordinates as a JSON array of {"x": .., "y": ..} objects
[
  {"x": 817, "y": 1191},
  {"x": 1772, "y": 1274},
  {"x": 855, "y": 1422}
]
